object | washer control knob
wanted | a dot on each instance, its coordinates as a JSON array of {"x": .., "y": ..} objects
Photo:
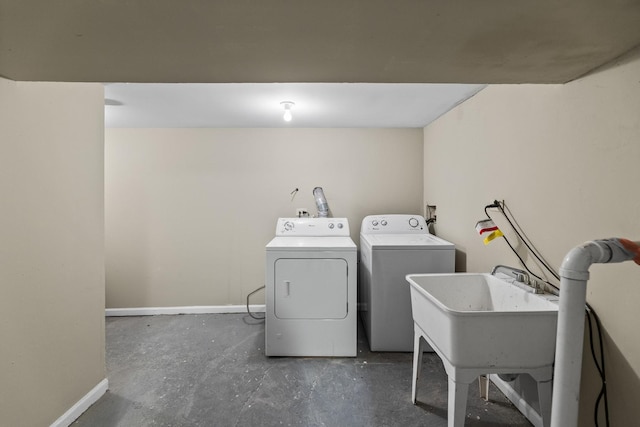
[
  {"x": 383, "y": 222},
  {"x": 374, "y": 222},
  {"x": 288, "y": 226},
  {"x": 340, "y": 225},
  {"x": 413, "y": 222},
  {"x": 331, "y": 225}
]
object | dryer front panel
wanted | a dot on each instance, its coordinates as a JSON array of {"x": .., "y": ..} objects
[{"x": 310, "y": 288}]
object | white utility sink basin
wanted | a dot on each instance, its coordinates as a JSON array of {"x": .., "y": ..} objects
[{"x": 481, "y": 324}]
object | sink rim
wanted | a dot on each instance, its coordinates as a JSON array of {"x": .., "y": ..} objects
[{"x": 549, "y": 300}]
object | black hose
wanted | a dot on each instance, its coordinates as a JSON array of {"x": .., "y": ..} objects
[{"x": 249, "y": 311}]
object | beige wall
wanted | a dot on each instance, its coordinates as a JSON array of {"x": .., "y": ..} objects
[
  {"x": 189, "y": 211},
  {"x": 51, "y": 248},
  {"x": 566, "y": 159}
]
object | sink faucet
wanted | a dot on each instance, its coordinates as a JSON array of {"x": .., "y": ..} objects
[
  {"x": 524, "y": 278},
  {"x": 520, "y": 276}
]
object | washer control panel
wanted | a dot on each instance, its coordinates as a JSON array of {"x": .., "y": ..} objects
[
  {"x": 318, "y": 227},
  {"x": 394, "y": 224}
]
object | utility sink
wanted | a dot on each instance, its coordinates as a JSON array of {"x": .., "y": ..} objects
[{"x": 483, "y": 324}]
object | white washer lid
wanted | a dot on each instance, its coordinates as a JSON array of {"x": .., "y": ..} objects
[
  {"x": 406, "y": 241},
  {"x": 310, "y": 243}
]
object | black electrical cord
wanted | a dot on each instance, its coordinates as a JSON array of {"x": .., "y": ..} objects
[
  {"x": 521, "y": 235},
  {"x": 600, "y": 366},
  {"x": 497, "y": 205},
  {"x": 524, "y": 240},
  {"x": 249, "y": 311}
]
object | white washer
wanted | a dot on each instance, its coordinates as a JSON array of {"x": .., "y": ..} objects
[
  {"x": 311, "y": 286},
  {"x": 392, "y": 246}
]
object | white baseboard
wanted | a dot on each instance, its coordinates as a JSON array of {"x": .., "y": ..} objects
[
  {"x": 82, "y": 405},
  {"x": 198, "y": 309},
  {"x": 523, "y": 406}
]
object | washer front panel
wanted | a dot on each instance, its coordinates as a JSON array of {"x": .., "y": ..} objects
[{"x": 392, "y": 246}]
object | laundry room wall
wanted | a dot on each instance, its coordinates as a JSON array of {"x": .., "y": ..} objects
[
  {"x": 189, "y": 211},
  {"x": 51, "y": 249},
  {"x": 566, "y": 160}
]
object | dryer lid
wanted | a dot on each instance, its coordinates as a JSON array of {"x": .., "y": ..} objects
[{"x": 311, "y": 243}]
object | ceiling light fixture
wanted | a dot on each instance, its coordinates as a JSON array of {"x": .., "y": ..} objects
[{"x": 287, "y": 110}]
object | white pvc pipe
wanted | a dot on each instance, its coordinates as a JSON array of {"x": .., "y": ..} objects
[
  {"x": 569, "y": 343},
  {"x": 574, "y": 274}
]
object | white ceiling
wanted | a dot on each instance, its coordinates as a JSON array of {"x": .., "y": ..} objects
[{"x": 257, "y": 105}]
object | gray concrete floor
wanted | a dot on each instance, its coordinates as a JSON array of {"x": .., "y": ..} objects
[{"x": 210, "y": 370}]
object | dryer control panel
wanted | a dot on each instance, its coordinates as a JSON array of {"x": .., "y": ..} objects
[
  {"x": 394, "y": 224},
  {"x": 318, "y": 227}
]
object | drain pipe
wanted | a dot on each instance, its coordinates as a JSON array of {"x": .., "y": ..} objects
[{"x": 574, "y": 274}]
